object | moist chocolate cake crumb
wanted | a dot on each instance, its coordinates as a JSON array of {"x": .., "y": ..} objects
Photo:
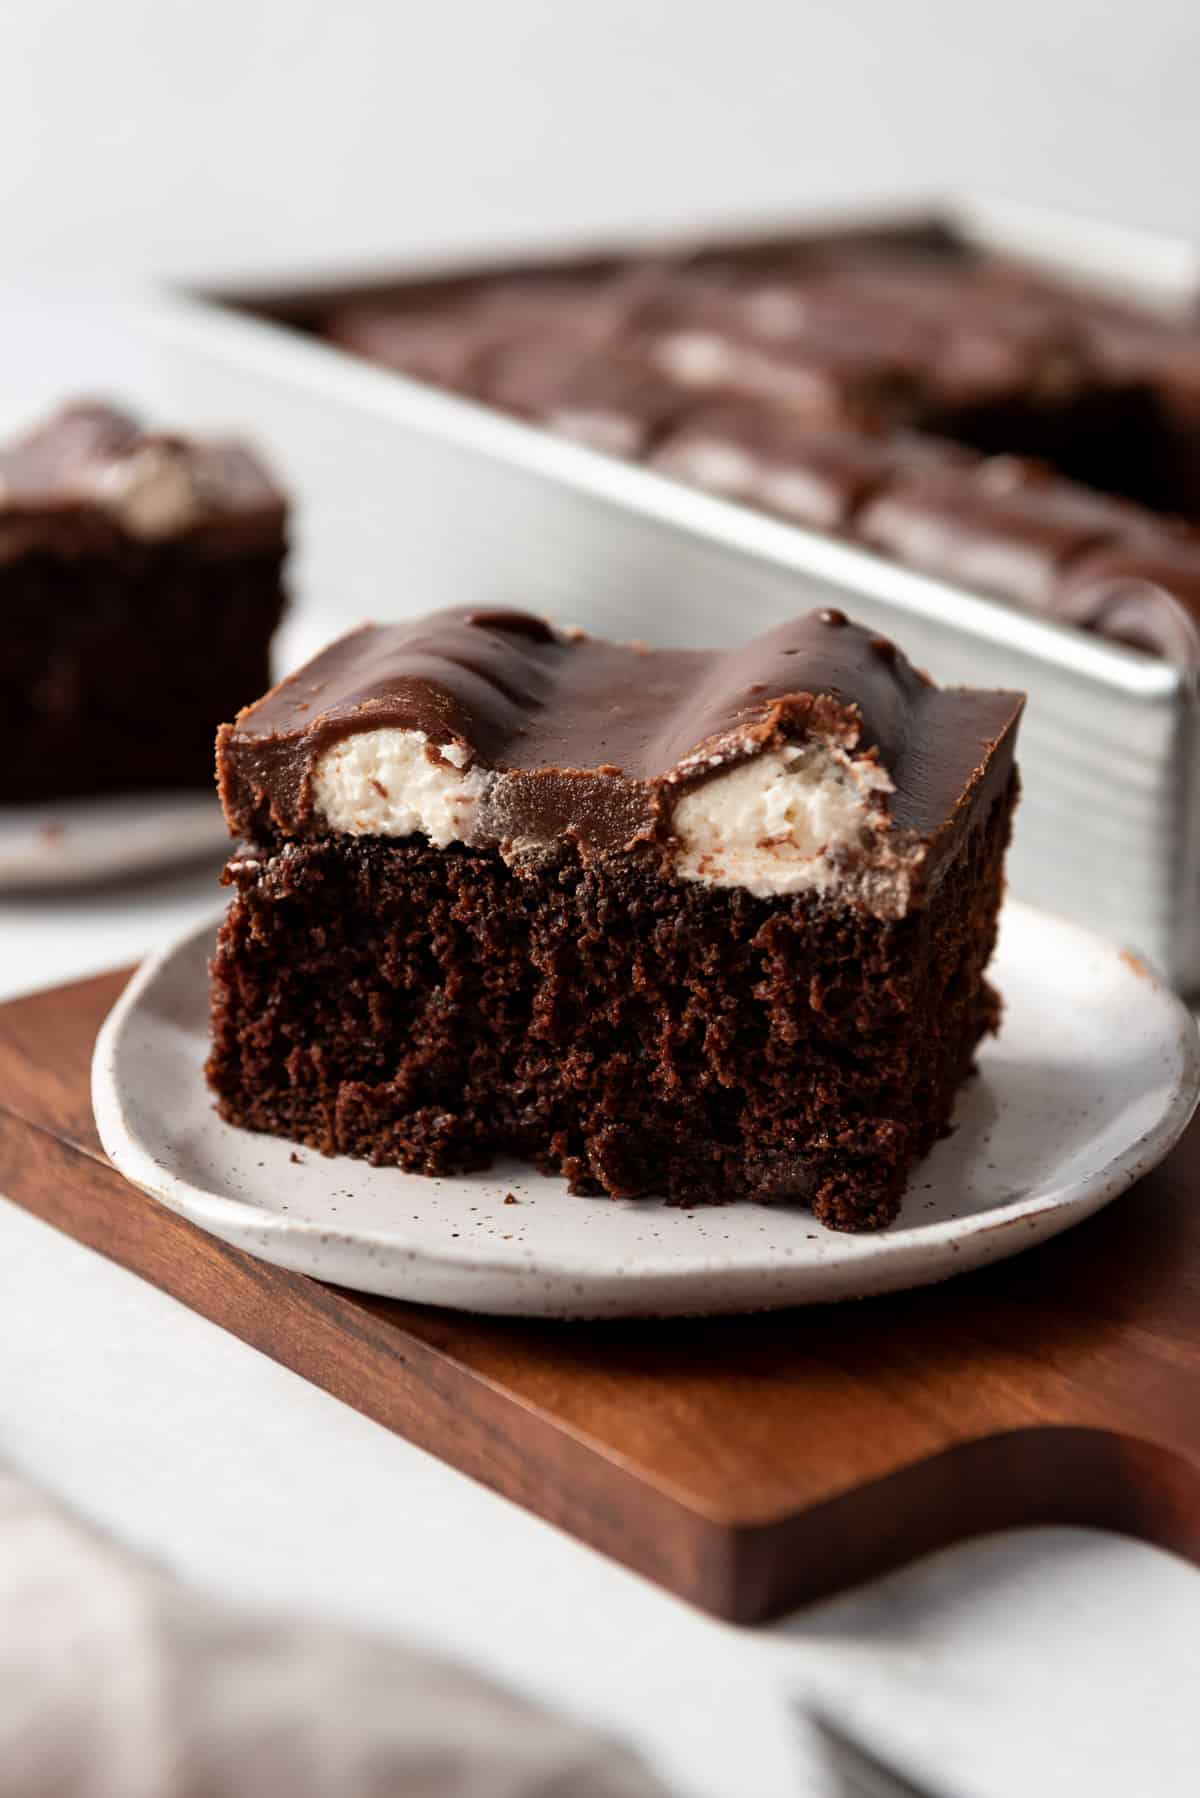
[{"x": 431, "y": 1009}]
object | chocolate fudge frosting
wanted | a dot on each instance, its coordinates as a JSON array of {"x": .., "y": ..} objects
[
  {"x": 91, "y": 475},
  {"x": 598, "y": 741}
]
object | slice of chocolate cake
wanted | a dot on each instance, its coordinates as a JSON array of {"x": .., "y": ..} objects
[
  {"x": 140, "y": 584},
  {"x": 712, "y": 925}
]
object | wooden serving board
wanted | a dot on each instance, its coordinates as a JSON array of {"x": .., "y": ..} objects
[{"x": 748, "y": 1464}]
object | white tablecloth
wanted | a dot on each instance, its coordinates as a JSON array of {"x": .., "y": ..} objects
[{"x": 1048, "y": 1661}]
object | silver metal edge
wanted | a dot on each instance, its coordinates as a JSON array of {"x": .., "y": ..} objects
[
  {"x": 1149, "y": 266},
  {"x": 1156, "y": 267},
  {"x": 1141, "y": 708},
  {"x": 481, "y": 430}
]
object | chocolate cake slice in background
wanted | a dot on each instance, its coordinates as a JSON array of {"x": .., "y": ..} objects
[
  {"x": 140, "y": 584},
  {"x": 709, "y": 925}
]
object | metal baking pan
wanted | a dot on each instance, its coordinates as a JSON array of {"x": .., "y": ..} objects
[{"x": 413, "y": 498}]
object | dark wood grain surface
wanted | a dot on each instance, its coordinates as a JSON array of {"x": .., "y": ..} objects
[{"x": 748, "y": 1464}]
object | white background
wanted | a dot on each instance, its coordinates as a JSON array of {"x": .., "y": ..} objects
[
  {"x": 194, "y": 135},
  {"x": 145, "y": 136}
]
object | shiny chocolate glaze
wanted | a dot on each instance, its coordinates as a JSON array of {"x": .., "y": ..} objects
[
  {"x": 596, "y": 741},
  {"x": 92, "y": 476}
]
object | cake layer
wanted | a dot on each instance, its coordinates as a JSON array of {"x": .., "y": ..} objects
[
  {"x": 729, "y": 370},
  {"x": 813, "y": 757},
  {"x": 705, "y": 924},
  {"x": 821, "y": 478},
  {"x": 1005, "y": 526},
  {"x": 140, "y": 584}
]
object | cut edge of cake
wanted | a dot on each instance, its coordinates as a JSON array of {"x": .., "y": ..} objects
[{"x": 743, "y": 956}]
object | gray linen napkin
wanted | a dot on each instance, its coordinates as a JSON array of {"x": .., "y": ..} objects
[{"x": 118, "y": 1682}]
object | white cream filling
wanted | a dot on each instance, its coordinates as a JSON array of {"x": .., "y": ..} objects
[
  {"x": 616, "y": 433},
  {"x": 701, "y": 359},
  {"x": 779, "y": 822},
  {"x": 153, "y": 491},
  {"x": 696, "y": 358},
  {"x": 791, "y": 491},
  {"x": 384, "y": 783},
  {"x": 773, "y": 312},
  {"x": 728, "y": 469},
  {"x": 707, "y": 462}
]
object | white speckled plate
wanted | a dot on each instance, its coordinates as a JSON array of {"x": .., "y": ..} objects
[
  {"x": 66, "y": 843},
  {"x": 1093, "y": 1079}
]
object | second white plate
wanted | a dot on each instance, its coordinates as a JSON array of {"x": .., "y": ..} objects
[
  {"x": 1092, "y": 1080},
  {"x": 69, "y": 842}
]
